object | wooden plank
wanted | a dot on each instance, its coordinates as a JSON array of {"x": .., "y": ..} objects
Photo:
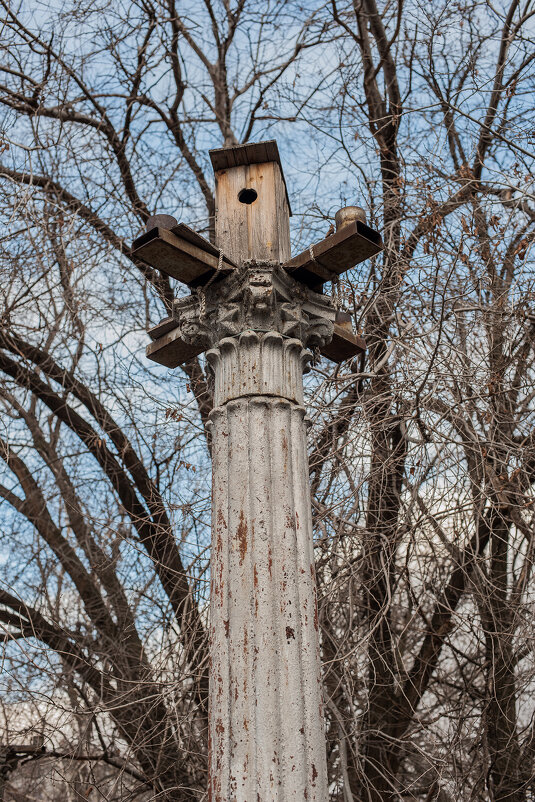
[
  {"x": 164, "y": 327},
  {"x": 262, "y": 153},
  {"x": 171, "y": 350},
  {"x": 178, "y": 257},
  {"x": 231, "y": 215},
  {"x": 232, "y": 160},
  {"x": 272, "y": 151},
  {"x": 187, "y": 233},
  {"x": 263, "y": 235},
  {"x": 268, "y": 219},
  {"x": 250, "y": 153},
  {"x": 343, "y": 345},
  {"x": 283, "y": 214},
  {"x": 334, "y": 255}
]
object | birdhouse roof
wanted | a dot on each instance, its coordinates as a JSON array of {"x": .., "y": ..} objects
[{"x": 250, "y": 153}]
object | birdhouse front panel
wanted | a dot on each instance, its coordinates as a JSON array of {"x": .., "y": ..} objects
[{"x": 252, "y": 218}]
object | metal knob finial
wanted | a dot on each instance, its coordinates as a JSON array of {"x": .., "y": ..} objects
[
  {"x": 160, "y": 221},
  {"x": 348, "y": 214}
]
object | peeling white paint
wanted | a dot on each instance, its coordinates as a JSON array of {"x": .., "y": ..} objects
[{"x": 266, "y": 721}]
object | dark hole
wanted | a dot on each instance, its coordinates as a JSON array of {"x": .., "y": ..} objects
[{"x": 247, "y": 196}]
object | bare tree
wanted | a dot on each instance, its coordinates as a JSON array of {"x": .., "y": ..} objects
[
  {"x": 446, "y": 404},
  {"x": 422, "y": 460}
]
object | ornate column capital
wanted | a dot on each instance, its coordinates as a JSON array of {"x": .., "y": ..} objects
[{"x": 260, "y": 298}]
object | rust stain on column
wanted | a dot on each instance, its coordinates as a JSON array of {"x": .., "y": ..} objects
[{"x": 241, "y": 536}]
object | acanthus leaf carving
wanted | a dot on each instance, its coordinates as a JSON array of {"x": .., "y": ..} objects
[{"x": 259, "y": 298}]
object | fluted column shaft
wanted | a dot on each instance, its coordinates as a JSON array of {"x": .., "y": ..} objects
[{"x": 267, "y": 741}]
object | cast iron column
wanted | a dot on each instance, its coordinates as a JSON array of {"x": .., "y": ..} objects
[{"x": 267, "y": 739}]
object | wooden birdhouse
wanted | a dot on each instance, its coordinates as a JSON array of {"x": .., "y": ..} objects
[{"x": 253, "y": 211}]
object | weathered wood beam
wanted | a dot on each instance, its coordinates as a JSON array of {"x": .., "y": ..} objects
[
  {"x": 168, "y": 348},
  {"x": 182, "y": 254},
  {"x": 331, "y": 257},
  {"x": 345, "y": 344}
]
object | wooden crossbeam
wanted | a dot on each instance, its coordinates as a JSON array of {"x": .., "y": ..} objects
[
  {"x": 182, "y": 254},
  {"x": 331, "y": 257},
  {"x": 345, "y": 344},
  {"x": 163, "y": 327},
  {"x": 168, "y": 348}
]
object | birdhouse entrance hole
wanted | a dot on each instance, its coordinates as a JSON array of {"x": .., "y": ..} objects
[{"x": 247, "y": 196}]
